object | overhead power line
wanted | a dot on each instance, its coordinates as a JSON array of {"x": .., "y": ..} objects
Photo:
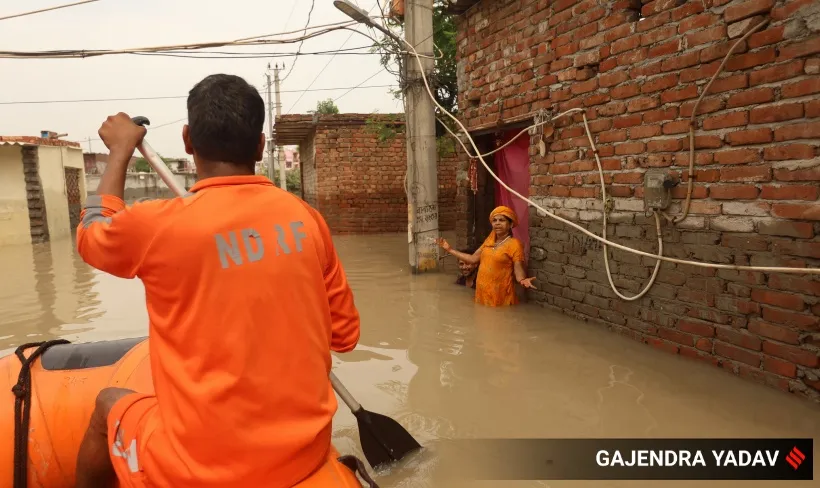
[
  {"x": 47, "y": 9},
  {"x": 130, "y": 99}
]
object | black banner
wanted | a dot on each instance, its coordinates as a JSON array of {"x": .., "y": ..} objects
[{"x": 628, "y": 459}]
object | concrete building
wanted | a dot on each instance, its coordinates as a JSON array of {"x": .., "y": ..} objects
[
  {"x": 637, "y": 70},
  {"x": 353, "y": 170},
  {"x": 42, "y": 189}
]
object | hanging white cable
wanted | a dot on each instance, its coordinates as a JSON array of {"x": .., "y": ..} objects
[{"x": 765, "y": 269}]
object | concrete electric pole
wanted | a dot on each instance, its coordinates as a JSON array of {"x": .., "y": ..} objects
[
  {"x": 270, "y": 129},
  {"x": 422, "y": 155},
  {"x": 283, "y": 183}
]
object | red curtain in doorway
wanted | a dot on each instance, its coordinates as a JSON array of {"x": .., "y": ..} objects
[{"x": 513, "y": 168}]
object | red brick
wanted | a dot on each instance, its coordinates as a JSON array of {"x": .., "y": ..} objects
[
  {"x": 776, "y": 113},
  {"x": 739, "y": 338},
  {"x": 737, "y": 354},
  {"x": 778, "y": 299},
  {"x": 796, "y": 211},
  {"x": 805, "y": 130},
  {"x": 676, "y": 336},
  {"x": 795, "y": 283},
  {"x": 787, "y": 10},
  {"x": 613, "y": 78},
  {"x": 794, "y": 354},
  {"x": 798, "y": 49},
  {"x": 731, "y": 119},
  {"x": 625, "y": 91},
  {"x": 662, "y": 345},
  {"x": 772, "y": 331},
  {"x": 738, "y": 156},
  {"x": 632, "y": 57},
  {"x": 788, "y": 151},
  {"x": 733, "y": 192},
  {"x": 743, "y": 10},
  {"x": 627, "y": 121},
  {"x": 778, "y": 366},
  {"x": 790, "y": 319},
  {"x": 703, "y": 71},
  {"x": 750, "y": 60},
  {"x": 657, "y": 35},
  {"x": 810, "y": 174},
  {"x": 625, "y": 44},
  {"x": 801, "y": 88},
  {"x": 790, "y": 192},
  {"x": 682, "y": 61},
  {"x": 765, "y": 37},
  {"x": 653, "y": 116},
  {"x": 665, "y": 49},
  {"x": 789, "y": 229},
  {"x": 613, "y": 136},
  {"x": 697, "y": 22},
  {"x": 806, "y": 249},
  {"x": 685, "y": 93},
  {"x": 752, "y": 136},
  {"x": 812, "y": 109},
  {"x": 659, "y": 83},
  {"x": 626, "y": 149},
  {"x": 776, "y": 73},
  {"x": 697, "y": 328},
  {"x": 707, "y": 105},
  {"x": 642, "y": 103},
  {"x": 676, "y": 127},
  {"x": 746, "y": 173},
  {"x": 714, "y": 33},
  {"x": 750, "y": 97},
  {"x": 733, "y": 82},
  {"x": 664, "y": 145},
  {"x": 644, "y": 131}
]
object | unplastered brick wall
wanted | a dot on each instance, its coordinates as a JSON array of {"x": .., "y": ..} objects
[
  {"x": 637, "y": 69},
  {"x": 359, "y": 179}
]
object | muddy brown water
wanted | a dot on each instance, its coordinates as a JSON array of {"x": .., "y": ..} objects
[{"x": 444, "y": 367}]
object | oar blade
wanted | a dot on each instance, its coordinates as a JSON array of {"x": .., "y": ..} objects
[{"x": 383, "y": 439}]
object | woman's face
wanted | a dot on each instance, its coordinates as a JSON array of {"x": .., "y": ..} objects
[{"x": 501, "y": 225}]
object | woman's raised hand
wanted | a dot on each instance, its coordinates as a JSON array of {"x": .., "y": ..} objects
[{"x": 444, "y": 244}]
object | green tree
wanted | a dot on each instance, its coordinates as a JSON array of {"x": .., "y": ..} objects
[
  {"x": 443, "y": 81},
  {"x": 325, "y": 107},
  {"x": 143, "y": 166}
]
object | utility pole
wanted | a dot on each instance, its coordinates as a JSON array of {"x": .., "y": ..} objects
[
  {"x": 422, "y": 174},
  {"x": 283, "y": 183},
  {"x": 270, "y": 128}
]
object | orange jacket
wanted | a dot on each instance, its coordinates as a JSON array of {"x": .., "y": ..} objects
[{"x": 246, "y": 298}]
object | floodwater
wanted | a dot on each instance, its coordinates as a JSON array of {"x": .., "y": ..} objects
[{"x": 444, "y": 367}]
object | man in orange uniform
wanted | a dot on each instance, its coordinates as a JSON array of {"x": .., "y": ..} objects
[{"x": 246, "y": 298}]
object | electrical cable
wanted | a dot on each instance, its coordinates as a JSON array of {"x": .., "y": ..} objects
[
  {"x": 130, "y": 99},
  {"x": 299, "y": 49},
  {"x": 14, "y": 16},
  {"x": 603, "y": 240}
]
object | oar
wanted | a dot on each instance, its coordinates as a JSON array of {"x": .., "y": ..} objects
[{"x": 383, "y": 439}]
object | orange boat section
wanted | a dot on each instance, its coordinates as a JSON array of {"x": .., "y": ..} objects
[{"x": 61, "y": 405}]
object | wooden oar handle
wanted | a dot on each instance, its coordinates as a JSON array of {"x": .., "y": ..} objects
[{"x": 344, "y": 394}]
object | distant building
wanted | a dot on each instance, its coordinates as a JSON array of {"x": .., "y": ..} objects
[
  {"x": 42, "y": 188},
  {"x": 291, "y": 158},
  {"x": 95, "y": 163}
]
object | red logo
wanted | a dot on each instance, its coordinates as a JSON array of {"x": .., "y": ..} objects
[{"x": 795, "y": 458}]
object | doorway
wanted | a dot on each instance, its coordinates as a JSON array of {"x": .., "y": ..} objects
[
  {"x": 72, "y": 186},
  {"x": 512, "y": 165}
]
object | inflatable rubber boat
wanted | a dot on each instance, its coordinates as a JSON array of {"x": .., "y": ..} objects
[{"x": 48, "y": 392}]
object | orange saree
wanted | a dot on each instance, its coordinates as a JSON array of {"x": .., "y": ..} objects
[{"x": 495, "y": 286}]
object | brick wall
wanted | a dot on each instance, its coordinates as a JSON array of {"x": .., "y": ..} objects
[
  {"x": 357, "y": 182},
  {"x": 637, "y": 69}
]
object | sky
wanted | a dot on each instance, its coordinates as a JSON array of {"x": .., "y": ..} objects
[{"x": 120, "y": 24}]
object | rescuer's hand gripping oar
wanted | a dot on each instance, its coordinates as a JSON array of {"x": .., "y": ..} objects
[{"x": 383, "y": 439}]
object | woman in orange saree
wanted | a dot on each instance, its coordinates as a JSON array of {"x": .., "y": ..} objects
[{"x": 500, "y": 257}]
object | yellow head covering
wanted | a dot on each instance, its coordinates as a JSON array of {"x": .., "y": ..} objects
[{"x": 506, "y": 212}]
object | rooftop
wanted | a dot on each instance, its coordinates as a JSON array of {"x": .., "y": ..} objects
[
  {"x": 292, "y": 129},
  {"x": 35, "y": 141}
]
